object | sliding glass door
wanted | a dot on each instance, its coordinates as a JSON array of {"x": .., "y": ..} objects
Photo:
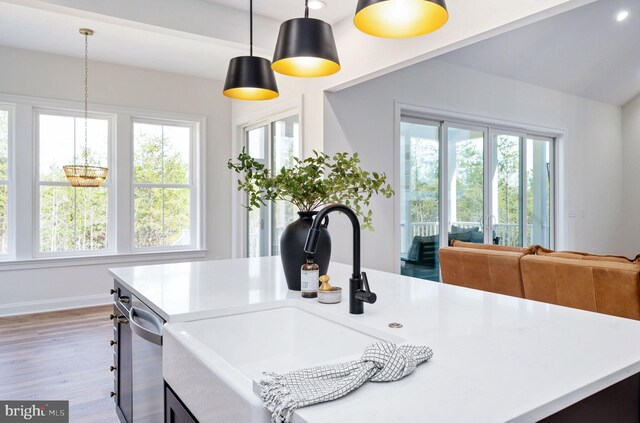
[
  {"x": 539, "y": 204},
  {"x": 274, "y": 144},
  {"x": 471, "y": 183},
  {"x": 420, "y": 198},
  {"x": 257, "y": 236},
  {"x": 506, "y": 206},
  {"x": 465, "y": 183}
]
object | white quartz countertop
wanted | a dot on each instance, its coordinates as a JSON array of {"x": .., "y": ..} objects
[{"x": 496, "y": 358}]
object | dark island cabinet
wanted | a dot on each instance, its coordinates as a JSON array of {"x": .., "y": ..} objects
[
  {"x": 122, "y": 354},
  {"x": 174, "y": 410}
]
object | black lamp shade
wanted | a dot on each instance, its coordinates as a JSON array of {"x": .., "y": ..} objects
[
  {"x": 250, "y": 78},
  {"x": 306, "y": 48},
  {"x": 394, "y": 19}
]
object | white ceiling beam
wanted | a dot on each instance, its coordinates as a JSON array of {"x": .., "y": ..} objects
[{"x": 185, "y": 18}]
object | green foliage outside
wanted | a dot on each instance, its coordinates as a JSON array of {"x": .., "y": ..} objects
[
  {"x": 423, "y": 181},
  {"x": 162, "y": 215},
  {"x": 75, "y": 219},
  {"x": 313, "y": 182},
  {"x": 509, "y": 184}
]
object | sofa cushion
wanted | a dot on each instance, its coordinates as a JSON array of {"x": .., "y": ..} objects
[
  {"x": 460, "y": 236},
  {"x": 423, "y": 250},
  {"x": 477, "y": 237},
  {"x": 562, "y": 254},
  {"x": 459, "y": 229},
  {"x": 492, "y": 247},
  {"x": 541, "y": 251},
  {"x": 615, "y": 259}
]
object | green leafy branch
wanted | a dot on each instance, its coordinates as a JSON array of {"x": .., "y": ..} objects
[{"x": 312, "y": 183}]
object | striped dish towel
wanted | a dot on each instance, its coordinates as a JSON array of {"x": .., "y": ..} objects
[{"x": 282, "y": 394}]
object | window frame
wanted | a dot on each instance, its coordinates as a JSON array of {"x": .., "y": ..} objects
[
  {"x": 405, "y": 112},
  {"x": 24, "y": 177},
  {"x": 109, "y": 183},
  {"x": 9, "y": 183},
  {"x": 267, "y": 212},
  {"x": 193, "y": 186}
]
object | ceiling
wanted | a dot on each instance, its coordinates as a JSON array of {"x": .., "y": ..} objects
[
  {"x": 196, "y": 49},
  {"x": 282, "y": 10},
  {"x": 585, "y": 52},
  {"x": 57, "y": 33}
]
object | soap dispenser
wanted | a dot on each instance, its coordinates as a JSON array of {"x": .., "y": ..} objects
[{"x": 309, "y": 278}]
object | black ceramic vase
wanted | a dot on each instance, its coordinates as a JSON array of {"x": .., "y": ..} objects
[{"x": 292, "y": 248}]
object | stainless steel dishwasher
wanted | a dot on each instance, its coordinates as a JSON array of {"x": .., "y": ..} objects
[{"x": 148, "y": 384}]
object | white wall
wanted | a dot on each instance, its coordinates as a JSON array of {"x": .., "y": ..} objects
[
  {"x": 58, "y": 77},
  {"x": 630, "y": 223},
  {"x": 361, "y": 119}
]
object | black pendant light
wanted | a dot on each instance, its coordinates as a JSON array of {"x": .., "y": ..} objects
[
  {"x": 400, "y": 18},
  {"x": 306, "y": 48},
  {"x": 250, "y": 77}
]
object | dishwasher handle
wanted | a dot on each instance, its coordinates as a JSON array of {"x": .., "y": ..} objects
[{"x": 141, "y": 331}]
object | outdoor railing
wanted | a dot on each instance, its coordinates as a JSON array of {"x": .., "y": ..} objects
[{"x": 509, "y": 233}]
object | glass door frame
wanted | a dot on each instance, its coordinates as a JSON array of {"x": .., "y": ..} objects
[
  {"x": 444, "y": 177},
  {"x": 554, "y": 149},
  {"x": 408, "y": 118},
  {"x": 264, "y": 247},
  {"x": 490, "y": 127},
  {"x": 267, "y": 228},
  {"x": 491, "y": 163}
]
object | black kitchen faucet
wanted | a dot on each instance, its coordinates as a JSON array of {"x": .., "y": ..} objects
[{"x": 359, "y": 292}]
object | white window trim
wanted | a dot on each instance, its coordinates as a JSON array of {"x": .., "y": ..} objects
[
  {"x": 11, "y": 230},
  {"x": 194, "y": 214},
  {"x": 402, "y": 110},
  {"x": 23, "y": 167},
  {"x": 239, "y": 124},
  {"x": 110, "y": 249}
]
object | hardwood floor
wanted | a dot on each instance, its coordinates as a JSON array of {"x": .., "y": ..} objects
[{"x": 62, "y": 355}]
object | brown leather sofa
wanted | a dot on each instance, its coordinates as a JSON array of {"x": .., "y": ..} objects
[
  {"x": 604, "y": 284},
  {"x": 492, "y": 268}
]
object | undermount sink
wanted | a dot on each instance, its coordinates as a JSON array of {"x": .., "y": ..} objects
[{"x": 230, "y": 353}]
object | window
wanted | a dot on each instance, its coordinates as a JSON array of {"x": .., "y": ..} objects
[
  {"x": 150, "y": 202},
  {"x": 274, "y": 143},
  {"x": 71, "y": 220},
  {"x": 420, "y": 198},
  {"x": 163, "y": 185},
  {"x": 471, "y": 183},
  {"x": 5, "y": 176},
  {"x": 539, "y": 172}
]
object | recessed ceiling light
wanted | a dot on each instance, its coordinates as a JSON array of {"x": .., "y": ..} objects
[
  {"x": 316, "y": 4},
  {"x": 622, "y": 16}
]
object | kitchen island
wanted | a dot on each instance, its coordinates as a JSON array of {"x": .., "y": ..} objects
[{"x": 496, "y": 358}]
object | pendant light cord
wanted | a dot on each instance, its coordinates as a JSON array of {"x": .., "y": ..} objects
[
  {"x": 306, "y": 8},
  {"x": 250, "y": 27},
  {"x": 86, "y": 98}
]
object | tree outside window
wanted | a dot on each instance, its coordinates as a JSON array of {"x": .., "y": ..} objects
[{"x": 162, "y": 185}]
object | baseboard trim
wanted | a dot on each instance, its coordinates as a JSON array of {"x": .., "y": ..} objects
[{"x": 43, "y": 306}]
